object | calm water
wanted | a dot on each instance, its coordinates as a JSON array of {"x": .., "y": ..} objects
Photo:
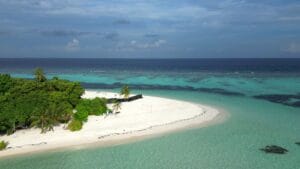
[{"x": 232, "y": 84}]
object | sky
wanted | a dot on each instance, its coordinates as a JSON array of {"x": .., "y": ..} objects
[{"x": 150, "y": 28}]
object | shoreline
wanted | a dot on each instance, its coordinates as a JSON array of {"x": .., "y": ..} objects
[{"x": 201, "y": 116}]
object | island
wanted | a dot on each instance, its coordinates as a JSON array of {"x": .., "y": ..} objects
[{"x": 47, "y": 114}]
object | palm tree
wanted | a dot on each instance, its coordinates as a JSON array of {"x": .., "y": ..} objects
[
  {"x": 125, "y": 91},
  {"x": 46, "y": 120},
  {"x": 39, "y": 75},
  {"x": 116, "y": 106}
]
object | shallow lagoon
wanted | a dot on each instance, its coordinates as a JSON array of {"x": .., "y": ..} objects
[{"x": 234, "y": 144}]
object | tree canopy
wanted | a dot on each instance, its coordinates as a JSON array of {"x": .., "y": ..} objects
[
  {"x": 38, "y": 103},
  {"x": 44, "y": 103}
]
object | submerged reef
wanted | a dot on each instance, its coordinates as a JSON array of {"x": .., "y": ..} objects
[
  {"x": 162, "y": 87},
  {"x": 285, "y": 99},
  {"x": 274, "y": 149}
]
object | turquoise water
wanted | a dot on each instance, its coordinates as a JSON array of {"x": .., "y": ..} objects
[
  {"x": 233, "y": 144},
  {"x": 248, "y": 84}
]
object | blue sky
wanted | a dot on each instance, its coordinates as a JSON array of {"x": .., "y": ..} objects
[{"x": 150, "y": 28}]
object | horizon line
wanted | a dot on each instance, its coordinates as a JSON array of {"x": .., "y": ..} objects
[{"x": 146, "y": 58}]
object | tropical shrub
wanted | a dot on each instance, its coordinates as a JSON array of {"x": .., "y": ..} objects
[
  {"x": 95, "y": 106},
  {"x": 3, "y": 145},
  {"x": 75, "y": 125},
  {"x": 81, "y": 116}
]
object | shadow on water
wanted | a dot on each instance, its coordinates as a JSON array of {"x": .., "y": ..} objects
[
  {"x": 284, "y": 99},
  {"x": 161, "y": 87}
]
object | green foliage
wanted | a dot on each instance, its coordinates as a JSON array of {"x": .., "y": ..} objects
[
  {"x": 3, "y": 145},
  {"x": 85, "y": 108},
  {"x": 40, "y": 103},
  {"x": 71, "y": 90},
  {"x": 44, "y": 103},
  {"x": 39, "y": 75},
  {"x": 95, "y": 106},
  {"x": 48, "y": 118},
  {"x": 81, "y": 116},
  {"x": 125, "y": 91},
  {"x": 75, "y": 125},
  {"x": 5, "y": 83}
]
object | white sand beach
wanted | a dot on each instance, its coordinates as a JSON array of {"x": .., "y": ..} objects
[{"x": 146, "y": 117}]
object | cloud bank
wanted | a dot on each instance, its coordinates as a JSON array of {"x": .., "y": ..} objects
[{"x": 140, "y": 28}]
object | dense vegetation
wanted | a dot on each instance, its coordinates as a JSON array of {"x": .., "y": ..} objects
[
  {"x": 38, "y": 103},
  {"x": 44, "y": 103},
  {"x": 95, "y": 106}
]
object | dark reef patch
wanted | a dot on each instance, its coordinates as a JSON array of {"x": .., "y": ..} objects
[
  {"x": 285, "y": 99},
  {"x": 162, "y": 87},
  {"x": 220, "y": 91},
  {"x": 274, "y": 149}
]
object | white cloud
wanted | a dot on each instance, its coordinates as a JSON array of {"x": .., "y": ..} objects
[
  {"x": 73, "y": 45},
  {"x": 132, "y": 9},
  {"x": 135, "y": 45},
  {"x": 159, "y": 42},
  {"x": 293, "y": 48},
  {"x": 155, "y": 44}
]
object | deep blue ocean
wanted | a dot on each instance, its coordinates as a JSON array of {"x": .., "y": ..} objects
[
  {"x": 262, "y": 97},
  {"x": 161, "y": 65}
]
